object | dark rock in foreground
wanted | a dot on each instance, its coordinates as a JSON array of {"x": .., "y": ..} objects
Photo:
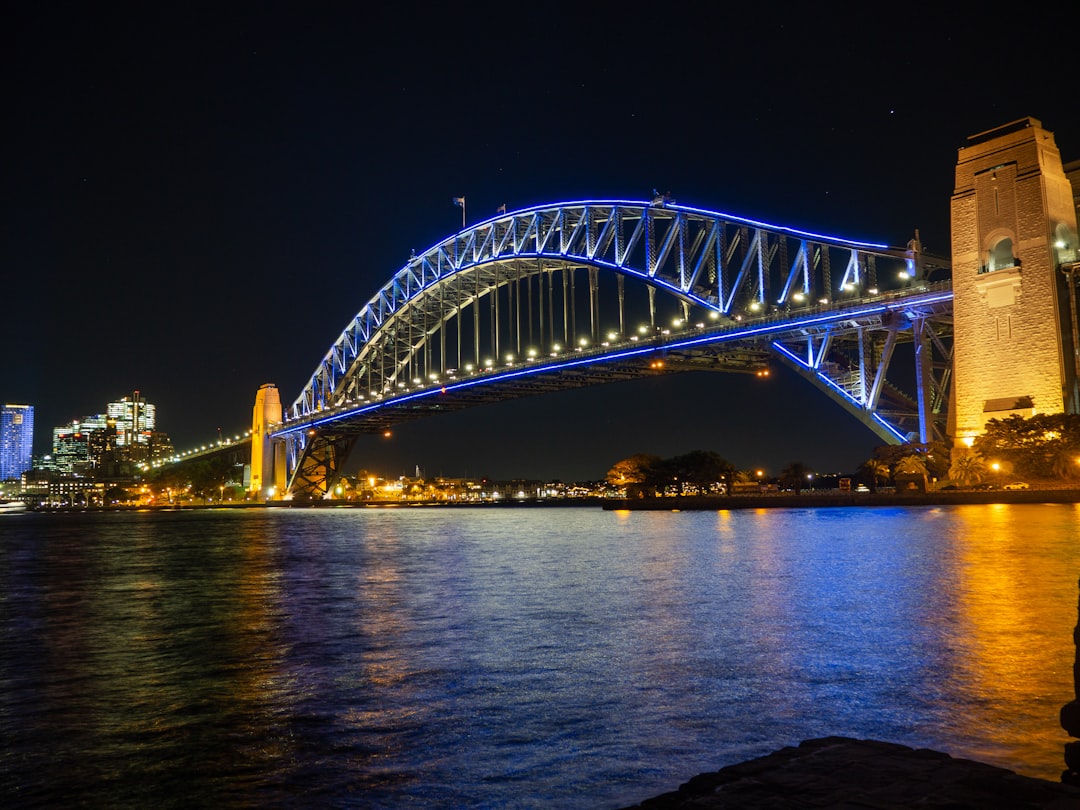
[{"x": 838, "y": 772}]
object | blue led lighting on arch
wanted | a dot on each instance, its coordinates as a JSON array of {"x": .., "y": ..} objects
[
  {"x": 554, "y": 230},
  {"x": 837, "y": 240},
  {"x": 803, "y": 364}
]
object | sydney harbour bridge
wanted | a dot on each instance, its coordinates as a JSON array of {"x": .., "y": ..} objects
[{"x": 580, "y": 293}]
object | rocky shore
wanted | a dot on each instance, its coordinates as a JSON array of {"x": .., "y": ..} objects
[{"x": 840, "y": 772}]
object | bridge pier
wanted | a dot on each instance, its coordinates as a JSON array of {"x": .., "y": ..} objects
[
  {"x": 268, "y": 463},
  {"x": 1013, "y": 231}
]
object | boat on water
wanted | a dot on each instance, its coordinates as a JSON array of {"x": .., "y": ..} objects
[{"x": 11, "y": 506}]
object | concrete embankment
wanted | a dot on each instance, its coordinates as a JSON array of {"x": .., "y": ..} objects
[
  {"x": 839, "y": 772},
  {"x": 791, "y": 500}
]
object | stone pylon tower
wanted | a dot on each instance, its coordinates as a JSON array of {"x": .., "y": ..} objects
[
  {"x": 267, "y": 460},
  {"x": 1013, "y": 238}
]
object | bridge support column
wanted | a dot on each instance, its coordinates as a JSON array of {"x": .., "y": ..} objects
[
  {"x": 268, "y": 472},
  {"x": 922, "y": 378},
  {"x": 1013, "y": 227}
]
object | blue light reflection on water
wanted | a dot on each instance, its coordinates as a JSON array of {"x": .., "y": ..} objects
[{"x": 516, "y": 657}]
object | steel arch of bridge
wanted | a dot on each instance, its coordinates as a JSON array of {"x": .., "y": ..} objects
[{"x": 833, "y": 309}]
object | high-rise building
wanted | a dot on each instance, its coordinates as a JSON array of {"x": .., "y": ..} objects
[
  {"x": 72, "y": 445},
  {"x": 134, "y": 418},
  {"x": 16, "y": 440}
]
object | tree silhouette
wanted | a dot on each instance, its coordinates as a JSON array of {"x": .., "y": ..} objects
[
  {"x": 635, "y": 474},
  {"x": 700, "y": 468},
  {"x": 876, "y": 470},
  {"x": 1040, "y": 446},
  {"x": 795, "y": 474},
  {"x": 967, "y": 469}
]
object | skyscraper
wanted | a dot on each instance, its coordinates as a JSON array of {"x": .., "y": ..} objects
[
  {"x": 135, "y": 421},
  {"x": 16, "y": 440}
]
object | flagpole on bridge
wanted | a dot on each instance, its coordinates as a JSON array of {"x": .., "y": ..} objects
[{"x": 461, "y": 201}]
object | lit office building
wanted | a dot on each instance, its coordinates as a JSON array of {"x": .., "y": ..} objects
[
  {"x": 71, "y": 452},
  {"x": 16, "y": 440},
  {"x": 73, "y": 445},
  {"x": 134, "y": 418}
]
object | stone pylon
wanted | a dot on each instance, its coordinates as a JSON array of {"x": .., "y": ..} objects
[{"x": 1014, "y": 231}]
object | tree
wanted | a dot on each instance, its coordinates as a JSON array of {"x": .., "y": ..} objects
[
  {"x": 634, "y": 474},
  {"x": 911, "y": 465},
  {"x": 967, "y": 469},
  {"x": 1038, "y": 446},
  {"x": 1066, "y": 461},
  {"x": 935, "y": 456},
  {"x": 910, "y": 473},
  {"x": 795, "y": 474},
  {"x": 700, "y": 468},
  {"x": 876, "y": 471}
]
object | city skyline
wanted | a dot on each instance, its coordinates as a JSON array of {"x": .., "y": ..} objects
[{"x": 200, "y": 205}]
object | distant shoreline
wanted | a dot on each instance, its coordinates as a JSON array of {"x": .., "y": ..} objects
[
  {"x": 790, "y": 500},
  {"x": 680, "y": 503}
]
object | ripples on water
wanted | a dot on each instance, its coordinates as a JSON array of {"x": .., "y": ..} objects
[{"x": 515, "y": 657}]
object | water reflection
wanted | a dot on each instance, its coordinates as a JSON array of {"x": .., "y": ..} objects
[
  {"x": 1016, "y": 600},
  {"x": 486, "y": 658}
]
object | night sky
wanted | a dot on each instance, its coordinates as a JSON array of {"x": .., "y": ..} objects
[{"x": 198, "y": 198}]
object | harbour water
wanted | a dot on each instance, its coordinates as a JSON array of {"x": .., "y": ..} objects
[{"x": 515, "y": 657}]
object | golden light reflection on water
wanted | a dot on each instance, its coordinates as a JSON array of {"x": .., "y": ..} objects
[{"x": 1017, "y": 569}]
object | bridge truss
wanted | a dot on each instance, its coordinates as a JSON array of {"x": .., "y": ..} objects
[{"x": 580, "y": 293}]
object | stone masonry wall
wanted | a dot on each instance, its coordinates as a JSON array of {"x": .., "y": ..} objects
[{"x": 1007, "y": 322}]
